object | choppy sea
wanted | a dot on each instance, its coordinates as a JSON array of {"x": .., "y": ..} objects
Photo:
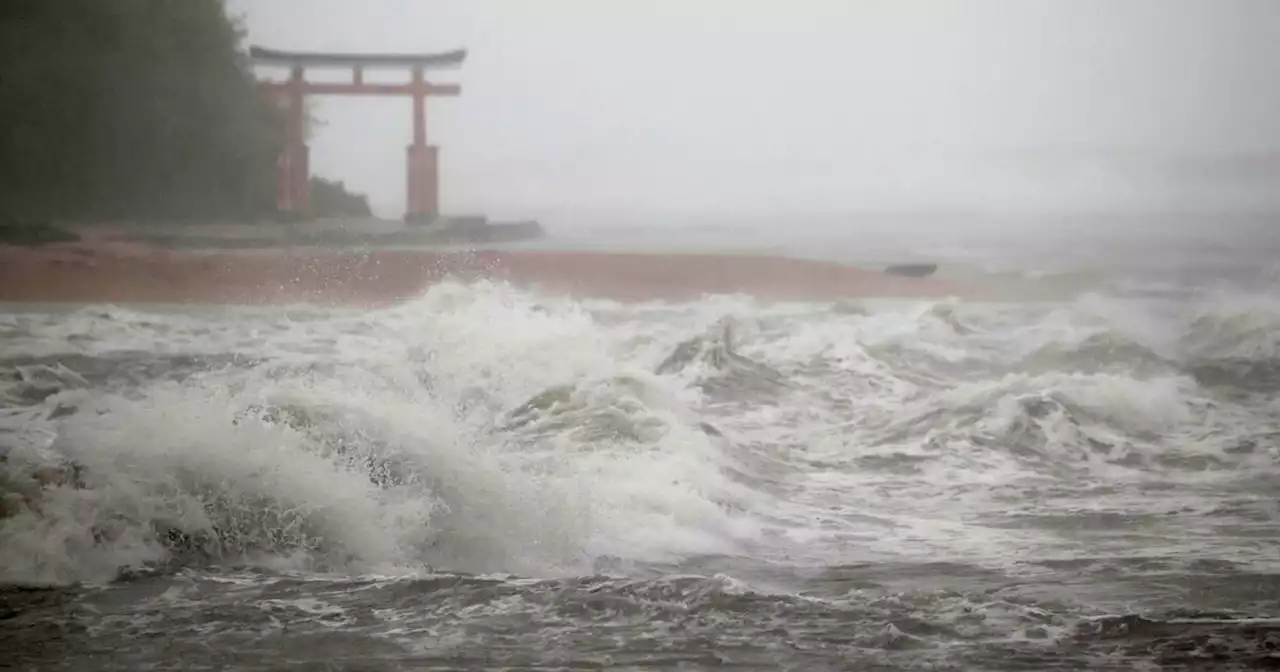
[{"x": 1086, "y": 476}]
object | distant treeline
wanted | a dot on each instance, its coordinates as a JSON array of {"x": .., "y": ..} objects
[
  {"x": 332, "y": 199},
  {"x": 131, "y": 110}
]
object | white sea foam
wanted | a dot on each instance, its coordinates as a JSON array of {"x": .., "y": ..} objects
[{"x": 381, "y": 441}]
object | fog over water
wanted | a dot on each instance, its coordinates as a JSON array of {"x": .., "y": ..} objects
[{"x": 577, "y": 108}]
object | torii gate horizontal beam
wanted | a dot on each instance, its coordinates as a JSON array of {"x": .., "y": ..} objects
[
  {"x": 445, "y": 59},
  {"x": 345, "y": 89}
]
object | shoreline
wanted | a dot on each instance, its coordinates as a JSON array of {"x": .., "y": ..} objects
[{"x": 132, "y": 273}]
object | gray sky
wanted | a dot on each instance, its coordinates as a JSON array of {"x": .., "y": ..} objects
[{"x": 811, "y": 105}]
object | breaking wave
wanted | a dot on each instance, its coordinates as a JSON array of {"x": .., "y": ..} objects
[{"x": 484, "y": 429}]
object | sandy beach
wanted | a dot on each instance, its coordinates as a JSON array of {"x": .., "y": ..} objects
[{"x": 121, "y": 272}]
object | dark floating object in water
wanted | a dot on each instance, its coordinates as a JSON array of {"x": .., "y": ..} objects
[
  {"x": 912, "y": 270},
  {"x": 709, "y": 429}
]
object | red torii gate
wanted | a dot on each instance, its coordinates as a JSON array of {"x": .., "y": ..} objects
[{"x": 293, "y": 170}]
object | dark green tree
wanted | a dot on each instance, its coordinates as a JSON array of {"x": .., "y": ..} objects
[{"x": 131, "y": 109}]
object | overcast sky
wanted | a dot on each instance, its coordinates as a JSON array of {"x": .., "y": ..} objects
[{"x": 814, "y": 105}]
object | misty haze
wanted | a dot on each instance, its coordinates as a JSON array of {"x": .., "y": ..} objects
[
  {"x": 722, "y": 107},
  {"x": 817, "y": 335}
]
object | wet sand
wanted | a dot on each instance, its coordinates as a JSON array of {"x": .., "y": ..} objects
[{"x": 132, "y": 273}]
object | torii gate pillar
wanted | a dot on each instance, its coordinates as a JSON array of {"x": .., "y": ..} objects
[
  {"x": 422, "y": 160},
  {"x": 422, "y": 193},
  {"x": 293, "y": 170}
]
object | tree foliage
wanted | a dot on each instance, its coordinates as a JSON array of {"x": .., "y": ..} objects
[
  {"x": 331, "y": 199},
  {"x": 131, "y": 109}
]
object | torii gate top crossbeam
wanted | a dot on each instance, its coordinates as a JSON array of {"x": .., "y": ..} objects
[{"x": 446, "y": 59}]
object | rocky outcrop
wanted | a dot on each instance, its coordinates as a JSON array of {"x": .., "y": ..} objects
[
  {"x": 912, "y": 270},
  {"x": 480, "y": 230}
]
